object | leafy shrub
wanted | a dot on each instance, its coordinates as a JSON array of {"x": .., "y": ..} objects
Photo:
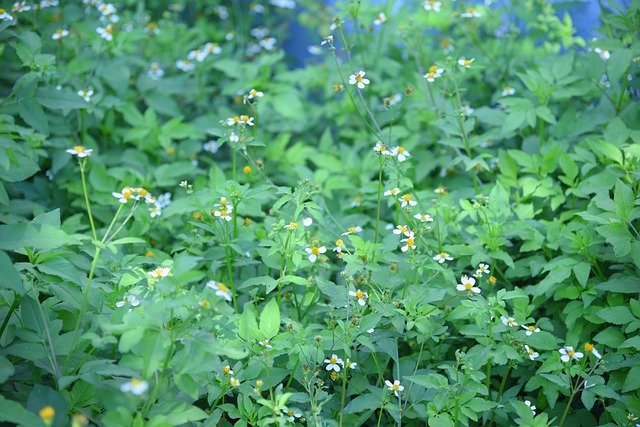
[{"x": 435, "y": 221}]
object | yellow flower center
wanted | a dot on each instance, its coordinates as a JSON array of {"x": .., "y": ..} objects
[
  {"x": 109, "y": 29},
  {"x": 531, "y": 328},
  {"x": 468, "y": 286},
  {"x": 359, "y": 294},
  {"x": 226, "y": 370},
  {"x": 314, "y": 250},
  {"x": 433, "y": 69},
  {"x": 411, "y": 242},
  {"x": 205, "y": 304},
  {"x": 136, "y": 382},
  {"x": 570, "y": 353},
  {"x": 223, "y": 288},
  {"x": 2, "y": 11},
  {"x": 401, "y": 150},
  {"x": 588, "y": 347},
  {"x": 358, "y": 78},
  {"x": 293, "y": 225},
  {"x": 47, "y": 413},
  {"x": 244, "y": 118},
  {"x": 467, "y": 62},
  {"x": 351, "y": 229},
  {"x": 224, "y": 212},
  {"x": 442, "y": 255},
  {"x": 78, "y": 148},
  {"x": 339, "y": 242},
  {"x": 290, "y": 413},
  {"x": 152, "y": 26},
  {"x": 406, "y": 197},
  {"x": 357, "y": 199},
  {"x": 395, "y": 387},
  {"x": 530, "y": 350},
  {"x": 333, "y": 360}
]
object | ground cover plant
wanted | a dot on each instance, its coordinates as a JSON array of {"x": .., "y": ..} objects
[{"x": 433, "y": 222}]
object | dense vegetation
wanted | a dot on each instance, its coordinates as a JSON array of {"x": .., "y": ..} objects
[{"x": 433, "y": 222}]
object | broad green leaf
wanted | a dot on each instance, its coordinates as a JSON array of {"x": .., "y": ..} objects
[
  {"x": 33, "y": 114},
  {"x": 616, "y": 315},
  {"x": 270, "y": 319},
  {"x": 63, "y": 99},
  {"x": 11, "y": 279},
  {"x": 248, "y": 326},
  {"x": 618, "y": 64}
]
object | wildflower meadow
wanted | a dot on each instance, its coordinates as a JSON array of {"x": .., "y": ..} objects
[{"x": 298, "y": 212}]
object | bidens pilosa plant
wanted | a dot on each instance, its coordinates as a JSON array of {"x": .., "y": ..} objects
[{"x": 434, "y": 221}]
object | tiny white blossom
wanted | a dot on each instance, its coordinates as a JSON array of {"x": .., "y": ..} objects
[
  {"x": 333, "y": 363},
  {"x": 530, "y": 330},
  {"x": 509, "y": 321},
  {"x": 314, "y": 251},
  {"x": 530, "y": 405},
  {"x": 568, "y": 353},
  {"x": 136, "y": 386},
  {"x": 106, "y": 32},
  {"x": 358, "y": 79},
  {"x": 360, "y": 296},
  {"x": 395, "y": 387},
  {"x": 432, "y": 5}
]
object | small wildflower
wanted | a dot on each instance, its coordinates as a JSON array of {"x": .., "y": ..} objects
[
  {"x": 392, "y": 100},
  {"x": 221, "y": 290},
  {"x": 198, "y": 55},
  {"x": 371, "y": 330},
  {"x": 432, "y": 5},
  {"x": 86, "y": 94},
  {"x": 223, "y": 213},
  {"x": 482, "y": 269},
  {"x": 360, "y": 296},
  {"x": 442, "y": 257},
  {"x": 602, "y": 53},
  {"x": 401, "y": 153},
  {"x": 265, "y": 344},
  {"x": 337, "y": 87},
  {"x": 530, "y": 405},
  {"x": 291, "y": 226},
  {"x": 395, "y": 387},
  {"x": 509, "y": 321},
  {"x": 246, "y": 170},
  {"x": 307, "y": 222},
  {"x": 393, "y": 192},
  {"x": 226, "y": 370},
  {"x": 314, "y": 251},
  {"x": 358, "y": 79},
  {"x": 327, "y": 40},
  {"x": 407, "y": 201},
  {"x": 590, "y": 348},
  {"x": 352, "y": 230},
  {"x": 466, "y": 63},
  {"x": 4, "y": 16},
  {"x": 632, "y": 417},
  {"x": 80, "y": 151},
  {"x": 468, "y": 285},
  {"x": 423, "y": 217},
  {"x": 159, "y": 272},
  {"x": 466, "y": 110},
  {"x": 47, "y": 414},
  {"x": 152, "y": 28},
  {"x": 471, "y": 12},
  {"x": 507, "y": 91},
  {"x": 212, "y": 48},
  {"x": 402, "y": 229},
  {"x": 211, "y": 146},
  {"x": 125, "y": 194},
  {"x": 128, "y": 299},
  {"x": 254, "y": 94},
  {"x": 106, "y": 32},
  {"x": 135, "y": 386},
  {"x": 204, "y": 304},
  {"x": 339, "y": 246},
  {"x": 357, "y": 201},
  {"x": 149, "y": 254},
  {"x": 434, "y": 72},
  {"x": 533, "y": 355},
  {"x": 333, "y": 363},
  {"x": 380, "y": 19},
  {"x": 20, "y": 6},
  {"x": 441, "y": 190},
  {"x": 292, "y": 414},
  {"x": 185, "y": 65},
  {"x": 409, "y": 243},
  {"x": 530, "y": 330},
  {"x": 59, "y": 34},
  {"x": 234, "y": 137},
  {"x": 154, "y": 71},
  {"x": 234, "y": 382},
  {"x": 349, "y": 364},
  {"x": 493, "y": 280},
  {"x": 568, "y": 353},
  {"x": 382, "y": 149}
]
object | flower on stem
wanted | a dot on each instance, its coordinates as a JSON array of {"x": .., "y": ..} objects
[
  {"x": 198, "y": 55},
  {"x": 159, "y": 272},
  {"x": 482, "y": 269},
  {"x": 530, "y": 330},
  {"x": 80, "y": 151},
  {"x": 234, "y": 382},
  {"x": 358, "y": 79},
  {"x": 254, "y": 94},
  {"x": 380, "y": 19},
  {"x": 359, "y": 295},
  {"x": 327, "y": 40},
  {"x": 407, "y": 201},
  {"x": 382, "y": 149},
  {"x": 507, "y": 91},
  {"x": 349, "y": 364},
  {"x": 291, "y": 226},
  {"x": 307, "y": 222},
  {"x": 223, "y": 213},
  {"x": 154, "y": 71},
  {"x": 265, "y": 344},
  {"x": 47, "y": 414},
  {"x": 402, "y": 229},
  {"x": 352, "y": 230},
  {"x": 212, "y": 48},
  {"x": 226, "y": 370},
  {"x": 590, "y": 348},
  {"x": 530, "y": 405},
  {"x": 59, "y": 34},
  {"x": 401, "y": 153},
  {"x": 568, "y": 353},
  {"x": 239, "y": 120},
  {"x": 441, "y": 190},
  {"x": 128, "y": 299},
  {"x": 333, "y": 363},
  {"x": 423, "y": 217},
  {"x": 471, "y": 12},
  {"x": 339, "y": 246},
  {"x": 4, "y": 16},
  {"x": 468, "y": 284},
  {"x": 106, "y": 32},
  {"x": 466, "y": 63},
  {"x": 185, "y": 65},
  {"x": 221, "y": 290},
  {"x": 292, "y": 414},
  {"x": 314, "y": 251},
  {"x": 86, "y": 94},
  {"x": 357, "y": 201},
  {"x": 20, "y": 6},
  {"x": 395, "y": 387},
  {"x": 434, "y": 72},
  {"x": 125, "y": 194},
  {"x": 136, "y": 386},
  {"x": 509, "y": 321},
  {"x": 442, "y": 257},
  {"x": 392, "y": 192},
  {"x": 392, "y": 100},
  {"x": 432, "y": 5},
  {"x": 466, "y": 110},
  {"x": 409, "y": 243},
  {"x": 533, "y": 355}
]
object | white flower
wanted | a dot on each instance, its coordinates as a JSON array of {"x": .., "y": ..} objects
[
  {"x": 254, "y": 94},
  {"x": 423, "y": 217},
  {"x": 507, "y": 91},
  {"x": 198, "y": 55},
  {"x": 234, "y": 137},
  {"x": 292, "y": 414},
  {"x": 530, "y": 330},
  {"x": 259, "y": 32},
  {"x": 352, "y": 230},
  {"x": 533, "y": 355},
  {"x": 20, "y": 6},
  {"x": 154, "y": 71},
  {"x": 106, "y": 32},
  {"x": 130, "y": 299},
  {"x": 222, "y": 12},
  {"x": 466, "y": 63},
  {"x": 239, "y": 120},
  {"x": 358, "y": 79},
  {"x": 106, "y": 9},
  {"x": 80, "y": 151},
  {"x": 135, "y": 386},
  {"x": 59, "y": 34},
  {"x": 159, "y": 272},
  {"x": 432, "y": 5},
  {"x": 4, "y": 16},
  {"x": 590, "y": 348},
  {"x": 349, "y": 364},
  {"x": 124, "y": 195},
  {"x": 482, "y": 269},
  {"x": 380, "y": 19},
  {"x": 265, "y": 344},
  {"x": 164, "y": 200},
  {"x": 509, "y": 321},
  {"x": 441, "y": 190},
  {"x": 339, "y": 246},
  {"x": 568, "y": 353},
  {"x": 211, "y": 146},
  {"x": 434, "y": 72},
  {"x": 314, "y": 251},
  {"x": 371, "y": 330},
  {"x": 393, "y": 192},
  {"x": 602, "y": 53},
  {"x": 409, "y": 242},
  {"x": 284, "y": 4},
  {"x": 360, "y": 296},
  {"x": 212, "y": 48},
  {"x": 326, "y": 40},
  {"x": 471, "y": 12},
  {"x": 268, "y": 43},
  {"x": 382, "y": 149},
  {"x": 227, "y": 370},
  {"x": 407, "y": 201},
  {"x": 442, "y": 257},
  {"x": 393, "y": 100},
  {"x": 234, "y": 382},
  {"x": 307, "y": 222},
  {"x": 185, "y": 65},
  {"x": 395, "y": 387},
  {"x": 401, "y": 153},
  {"x": 155, "y": 211},
  {"x": 48, "y": 3},
  {"x": 530, "y": 405},
  {"x": 333, "y": 363},
  {"x": 403, "y": 229},
  {"x": 221, "y": 290},
  {"x": 291, "y": 226},
  {"x": 86, "y": 94},
  {"x": 466, "y": 110},
  {"x": 467, "y": 285}
]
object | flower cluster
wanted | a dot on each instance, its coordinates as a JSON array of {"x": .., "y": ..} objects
[
  {"x": 433, "y": 73},
  {"x": 198, "y": 55},
  {"x": 136, "y": 194},
  {"x": 334, "y": 363},
  {"x": 401, "y": 153},
  {"x": 223, "y": 209}
]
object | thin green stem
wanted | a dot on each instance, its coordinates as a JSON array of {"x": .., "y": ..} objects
[
  {"x": 82, "y": 163},
  {"x": 14, "y": 306},
  {"x": 343, "y": 397},
  {"x": 375, "y": 239},
  {"x": 154, "y": 393}
]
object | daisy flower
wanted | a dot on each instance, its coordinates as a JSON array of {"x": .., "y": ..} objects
[
  {"x": 466, "y": 110},
  {"x": 339, "y": 246},
  {"x": 393, "y": 192},
  {"x": 380, "y": 19},
  {"x": 211, "y": 146},
  {"x": 407, "y": 201},
  {"x": 125, "y": 194},
  {"x": 314, "y": 251},
  {"x": 254, "y": 94},
  {"x": 466, "y": 63},
  {"x": 265, "y": 344},
  {"x": 590, "y": 348},
  {"x": 152, "y": 28},
  {"x": 432, "y": 5},
  {"x": 80, "y": 151},
  {"x": 226, "y": 370},
  {"x": 442, "y": 257},
  {"x": 223, "y": 213},
  {"x": 409, "y": 243},
  {"x": 4, "y": 16},
  {"x": 349, "y": 364},
  {"x": 59, "y": 34},
  {"x": 403, "y": 229},
  {"x": 360, "y": 296},
  {"x": 471, "y": 12},
  {"x": 159, "y": 272},
  {"x": 212, "y": 48},
  {"x": 291, "y": 226},
  {"x": 530, "y": 405},
  {"x": 357, "y": 201},
  {"x": 326, "y": 40},
  {"x": 509, "y": 321},
  {"x": 401, "y": 153},
  {"x": 292, "y": 414},
  {"x": 482, "y": 269},
  {"x": 136, "y": 386},
  {"x": 128, "y": 299},
  {"x": 530, "y": 330},
  {"x": 568, "y": 353},
  {"x": 533, "y": 355},
  {"x": 197, "y": 55},
  {"x": 86, "y": 94},
  {"x": 395, "y": 387},
  {"x": 20, "y": 6},
  {"x": 507, "y": 91},
  {"x": 352, "y": 230},
  {"x": 268, "y": 43},
  {"x": 106, "y": 32},
  {"x": 185, "y": 65},
  {"x": 155, "y": 211},
  {"x": 307, "y": 222},
  {"x": 154, "y": 71},
  {"x": 221, "y": 290},
  {"x": 333, "y": 363},
  {"x": 382, "y": 149},
  {"x": 358, "y": 79},
  {"x": 423, "y": 217},
  {"x": 441, "y": 190},
  {"x": 234, "y": 382},
  {"x": 467, "y": 285}
]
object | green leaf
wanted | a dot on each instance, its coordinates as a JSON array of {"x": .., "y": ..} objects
[
  {"x": 36, "y": 236},
  {"x": 14, "y": 413},
  {"x": 130, "y": 338},
  {"x": 269, "y": 282},
  {"x": 616, "y": 315},
  {"x": 618, "y": 64},
  {"x": 624, "y": 200},
  {"x": 633, "y": 380},
  {"x": 63, "y": 99},
  {"x": 270, "y": 319},
  {"x": 545, "y": 114},
  {"x": 33, "y": 114},
  {"x": 248, "y": 326},
  {"x": 177, "y": 413},
  {"x": 6, "y": 369},
  {"x": 11, "y": 279},
  {"x": 440, "y": 420},
  {"x": 365, "y": 402}
]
